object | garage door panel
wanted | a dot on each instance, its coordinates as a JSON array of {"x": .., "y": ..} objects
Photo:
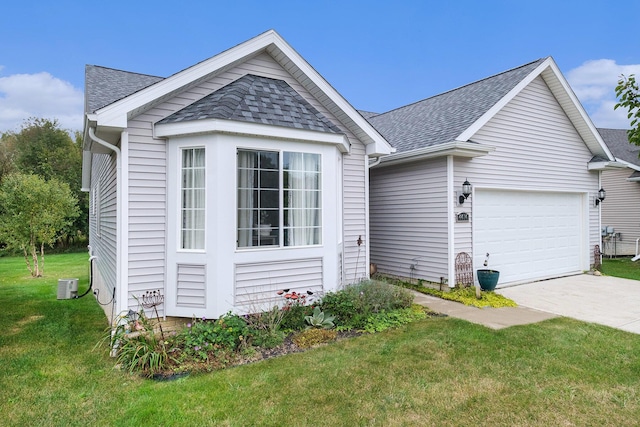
[{"x": 529, "y": 235}]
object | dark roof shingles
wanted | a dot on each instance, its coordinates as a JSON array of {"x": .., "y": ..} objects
[
  {"x": 442, "y": 118},
  {"x": 257, "y": 99},
  {"x": 104, "y": 86},
  {"x": 618, "y": 142}
]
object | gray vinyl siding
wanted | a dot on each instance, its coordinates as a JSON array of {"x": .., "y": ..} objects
[
  {"x": 257, "y": 284},
  {"x": 147, "y": 173},
  {"x": 621, "y": 210},
  {"x": 408, "y": 210},
  {"x": 103, "y": 236},
  {"x": 536, "y": 148}
]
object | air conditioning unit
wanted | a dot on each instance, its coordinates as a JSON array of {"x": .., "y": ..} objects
[{"x": 67, "y": 288}]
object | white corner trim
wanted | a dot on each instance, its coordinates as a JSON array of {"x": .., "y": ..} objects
[{"x": 194, "y": 127}]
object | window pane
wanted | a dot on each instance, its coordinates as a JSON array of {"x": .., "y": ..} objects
[
  {"x": 193, "y": 196},
  {"x": 302, "y": 199},
  {"x": 258, "y": 198}
]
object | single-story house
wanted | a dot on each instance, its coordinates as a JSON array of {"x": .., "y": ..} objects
[
  {"x": 621, "y": 208},
  {"x": 532, "y": 162},
  {"x": 219, "y": 185}
]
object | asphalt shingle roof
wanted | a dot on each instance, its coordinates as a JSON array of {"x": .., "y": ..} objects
[
  {"x": 104, "y": 86},
  {"x": 442, "y": 118},
  {"x": 257, "y": 99},
  {"x": 618, "y": 142}
]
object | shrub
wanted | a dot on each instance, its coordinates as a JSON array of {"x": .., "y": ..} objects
[
  {"x": 141, "y": 351},
  {"x": 202, "y": 336},
  {"x": 310, "y": 337},
  {"x": 355, "y": 303},
  {"x": 384, "y": 320},
  {"x": 293, "y": 318}
]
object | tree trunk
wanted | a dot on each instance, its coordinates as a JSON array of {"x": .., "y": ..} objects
[
  {"x": 26, "y": 260},
  {"x": 34, "y": 256}
]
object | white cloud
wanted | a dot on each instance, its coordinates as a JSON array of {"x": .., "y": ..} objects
[
  {"x": 594, "y": 84},
  {"x": 39, "y": 95}
]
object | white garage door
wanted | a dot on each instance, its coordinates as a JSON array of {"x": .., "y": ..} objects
[{"x": 529, "y": 235}]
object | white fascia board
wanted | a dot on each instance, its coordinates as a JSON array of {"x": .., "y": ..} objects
[
  {"x": 115, "y": 114},
  {"x": 478, "y": 124},
  {"x": 167, "y": 130},
  {"x": 571, "y": 104},
  {"x": 381, "y": 146},
  {"x": 454, "y": 148},
  {"x": 626, "y": 164},
  {"x": 567, "y": 99}
]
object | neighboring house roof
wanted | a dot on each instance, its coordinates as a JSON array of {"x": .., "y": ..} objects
[
  {"x": 367, "y": 114},
  {"x": 256, "y": 99},
  {"x": 445, "y": 123},
  {"x": 618, "y": 142},
  {"x": 442, "y": 118},
  {"x": 104, "y": 86}
]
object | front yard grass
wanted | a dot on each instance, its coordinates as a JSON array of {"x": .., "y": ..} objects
[
  {"x": 440, "y": 371},
  {"x": 621, "y": 267}
]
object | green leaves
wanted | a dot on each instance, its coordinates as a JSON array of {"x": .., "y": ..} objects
[
  {"x": 33, "y": 211},
  {"x": 319, "y": 319},
  {"x": 628, "y": 93}
]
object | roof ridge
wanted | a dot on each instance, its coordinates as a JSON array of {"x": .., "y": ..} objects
[
  {"x": 124, "y": 71},
  {"x": 464, "y": 86}
]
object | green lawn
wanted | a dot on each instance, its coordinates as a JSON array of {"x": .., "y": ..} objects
[
  {"x": 441, "y": 371},
  {"x": 621, "y": 267}
]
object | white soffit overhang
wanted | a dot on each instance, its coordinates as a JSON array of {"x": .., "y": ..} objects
[
  {"x": 118, "y": 113},
  {"x": 566, "y": 98},
  {"x": 606, "y": 165},
  {"x": 204, "y": 126},
  {"x": 454, "y": 148}
]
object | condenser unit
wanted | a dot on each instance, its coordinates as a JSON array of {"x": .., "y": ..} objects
[{"x": 67, "y": 288}]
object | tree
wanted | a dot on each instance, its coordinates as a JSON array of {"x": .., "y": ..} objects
[
  {"x": 629, "y": 94},
  {"x": 32, "y": 214},
  {"x": 7, "y": 152},
  {"x": 43, "y": 148}
]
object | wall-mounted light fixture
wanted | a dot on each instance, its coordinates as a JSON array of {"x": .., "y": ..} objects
[
  {"x": 601, "y": 195},
  {"x": 466, "y": 191}
]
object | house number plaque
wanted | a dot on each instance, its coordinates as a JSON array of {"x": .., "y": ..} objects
[{"x": 462, "y": 217}]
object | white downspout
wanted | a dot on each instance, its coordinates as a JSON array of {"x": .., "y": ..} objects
[
  {"x": 451, "y": 268},
  {"x": 120, "y": 301}
]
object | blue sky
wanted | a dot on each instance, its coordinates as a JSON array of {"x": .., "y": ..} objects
[{"x": 378, "y": 55}]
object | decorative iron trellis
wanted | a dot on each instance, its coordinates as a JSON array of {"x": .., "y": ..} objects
[{"x": 464, "y": 270}]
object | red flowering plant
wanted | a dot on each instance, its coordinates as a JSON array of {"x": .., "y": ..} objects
[{"x": 296, "y": 307}]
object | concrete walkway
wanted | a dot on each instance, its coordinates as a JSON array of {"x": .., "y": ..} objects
[
  {"x": 606, "y": 300},
  {"x": 495, "y": 318}
]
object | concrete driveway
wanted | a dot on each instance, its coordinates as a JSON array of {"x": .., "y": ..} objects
[{"x": 609, "y": 301}]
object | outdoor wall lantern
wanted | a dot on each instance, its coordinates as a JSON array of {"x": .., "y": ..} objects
[
  {"x": 466, "y": 191},
  {"x": 601, "y": 195}
]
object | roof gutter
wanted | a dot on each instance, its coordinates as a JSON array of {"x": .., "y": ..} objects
[
  {"x": 453, "y": 148},
  {"x": 121, "y": 293}
]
